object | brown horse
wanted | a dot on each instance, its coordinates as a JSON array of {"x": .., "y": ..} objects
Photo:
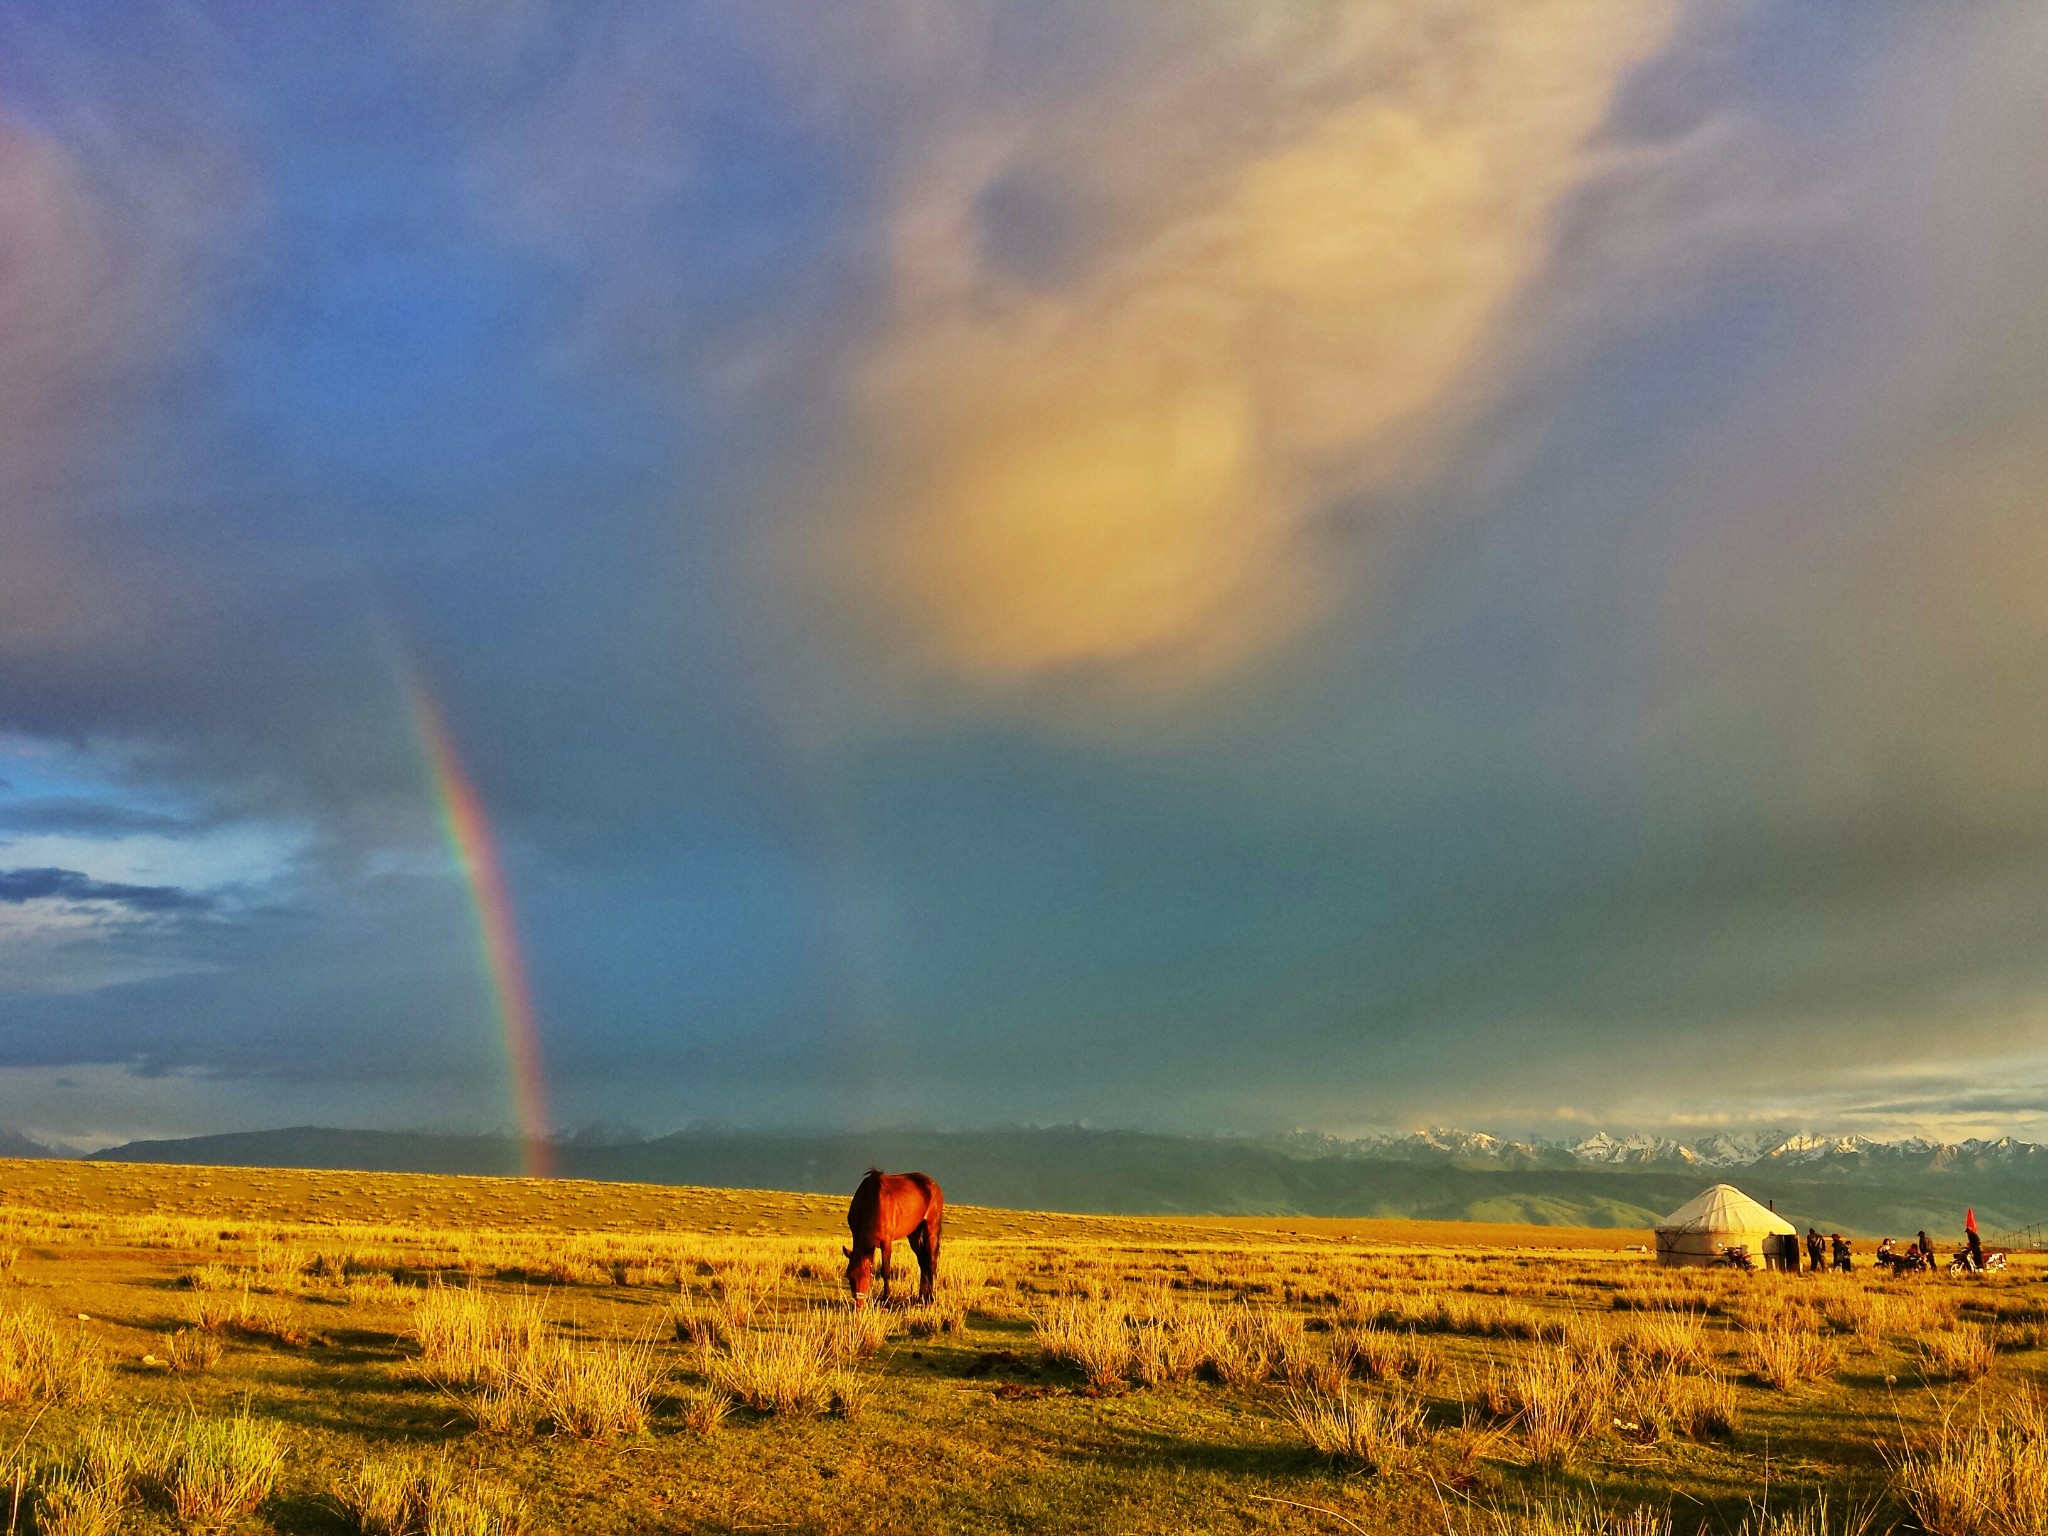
[{"x": 885, "y": 1207}]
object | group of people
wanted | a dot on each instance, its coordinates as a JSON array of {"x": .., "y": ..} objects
[
  {"x": 1834, "y": 1252},
  {"x": 1916, "y": 1257}
]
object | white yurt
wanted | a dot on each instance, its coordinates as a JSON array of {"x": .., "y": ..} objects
[{"x": 1718, "y": 1219}]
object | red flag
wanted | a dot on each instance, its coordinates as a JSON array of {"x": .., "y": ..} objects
[{"x": 1970, "y": 1219}]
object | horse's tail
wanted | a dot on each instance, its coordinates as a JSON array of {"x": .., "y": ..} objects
[{"x": 935, "y": 1218}]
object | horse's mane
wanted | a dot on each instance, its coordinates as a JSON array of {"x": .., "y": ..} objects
[{"x": 875, "y": 1173}]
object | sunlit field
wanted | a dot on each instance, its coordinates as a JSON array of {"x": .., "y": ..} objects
[{"x": 208, "y": 1349}]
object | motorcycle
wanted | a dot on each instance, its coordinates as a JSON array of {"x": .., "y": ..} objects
[
  {"x": 1905, "y": 1261},
  {"x": 1959, "y": 1262}
]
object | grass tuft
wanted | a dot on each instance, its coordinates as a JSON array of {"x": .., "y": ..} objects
[
  {"x": 1784, "y": 1356},
  {"x": 1370, "y": 1431},
  {"x": 791, "y": 1369},
  {"x": 217, "y": 1471},
  {"x": 1090, "y": 1334},
  {"x": 1964, "y": 1352},
  {"x": 410, "y": 1496},
  {"x": 1985, "y": 1478},
  {"x": 43, "y": 1361}
]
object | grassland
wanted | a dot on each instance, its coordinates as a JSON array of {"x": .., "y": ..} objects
[{"x": 209, "y": 1349}]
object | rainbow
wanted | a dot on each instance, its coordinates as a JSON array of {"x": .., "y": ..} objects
[{"x": 468, "y": 831}]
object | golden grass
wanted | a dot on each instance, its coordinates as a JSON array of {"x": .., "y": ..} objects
[
  {"x": 795, "y": 1369},
  {"x": 945, "y": 1313},
  {"x": 595, "y": 1391},
  {"x": 470, "y": 1338},
  {"x": 1392, "y": 1357},
  {"x": 1666, "y": 1337},
  {"x": 408, "y": 1495},
  {"x": 497, "y": 1356},
  {"x": 1784, "y": 1356},
  {"x": 215, "y": 1471},
  {"x": 1558, "y": 1399},
  {"x": 1666, "y": 1401},
  {"x": 1070, "y": 1376},
  {"x": 190, "y": 1350},
  {"x": 1374, "y": 1432},
  {"x": 1962, "y": 1353},
  {"x": 705, "y": 1409},
  {"x": 1986, "y": 1476},
  {"x": 1815, "y": 1518},
  {"x": 45, "y": 1361},
  {"x": 1090, "y": 1334},
  {"x": 78, "y": 1500},
  {"x": 1567, "y": 1515}
]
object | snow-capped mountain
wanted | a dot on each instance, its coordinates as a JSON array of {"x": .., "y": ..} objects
[
  {"x": 1806, "y": 1151},
  {"x": 1736, "y": 1149},
  {"x": 1603, "y": 1148}
]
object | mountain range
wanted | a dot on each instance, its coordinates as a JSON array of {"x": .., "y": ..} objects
[
  {"x": 1719, "y": 1150},
  {"x": 1849, "y": 1182}
]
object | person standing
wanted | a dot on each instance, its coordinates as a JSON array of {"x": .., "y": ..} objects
[
  {"x": 1813, "y": 1251},
  {"x": 1841, "y": 1251},
  {"x": 1926, "y": 1247},
  {"x": 1971, "y": 1241}
]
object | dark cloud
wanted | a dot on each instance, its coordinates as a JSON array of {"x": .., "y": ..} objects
[
  {"x": 92, "y": 818},
  {"x": 19, "y": 886},
  {"x": 1656, "y": 719}
]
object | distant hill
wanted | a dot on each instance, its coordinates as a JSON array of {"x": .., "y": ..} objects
[
  {"x": 1861, "y": 1186},
  {"x": 313, "y": 1146},
  {"x": 14, "y": 1144}
]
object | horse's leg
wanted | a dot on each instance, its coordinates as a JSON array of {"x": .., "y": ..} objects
[
  {"x": 885, "y": 1268},
  {"x": 921, "y": 1245}
]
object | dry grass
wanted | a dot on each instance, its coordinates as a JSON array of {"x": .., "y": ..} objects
[
  {"x": 1373, "y": 1432},
  {"x": 1670, "y": 1402},
  {"x": 596, "y": 1391},
  {"x": 217, "y": 1471},
  {"x": 1816, "y": 1518},
  {"x": 412, "y": 1496},
  {"x": 1092, "y": 1335},
  {"x": 1667, "y": 1337},
  {"x": 216, "y": 1277},
  {"x": 1394, "y": 1357},
  {"x": 43, "y": 1361},
  {"x": 497, "y": 1356},
  {"x": 1568, "y": 1515},
  {"x": 1594, "y": 1361},
  {"x": 1962, "y": 1353},
  {"x": 470, "y": 1338},
  {"x": 79, "y": 1500},
  {"x": 1985, "y": 1477},
  {"x": 213, "y": 1311},
  {"x": 944, "y": 1314},
  {"x": 795, "y": 1369},
  {"x": 1783, "y": 1356},
  {"x": 1558, "y": 1399},
  {"x": 271, "y": 1321},
  {"x": 705, "y": 1410}
]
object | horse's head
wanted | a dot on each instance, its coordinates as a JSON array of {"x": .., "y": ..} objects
[{"x": 860, "y": 1270}]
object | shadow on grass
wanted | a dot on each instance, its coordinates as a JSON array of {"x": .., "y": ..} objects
[{"x": 305, "y": 1514}]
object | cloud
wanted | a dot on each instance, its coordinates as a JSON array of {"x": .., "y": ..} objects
[
  {"x": 1545, "y": 501},
  {"x": 1291, "y": 246},
  {"x": 92, "y": 818},
  {"x": 18, "y": 886}
]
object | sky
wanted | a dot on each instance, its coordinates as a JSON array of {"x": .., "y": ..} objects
[{"x": 1199, "y": 567}]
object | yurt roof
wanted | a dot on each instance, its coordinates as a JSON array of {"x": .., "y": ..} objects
[{"x": 1724, "y": 1208}]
